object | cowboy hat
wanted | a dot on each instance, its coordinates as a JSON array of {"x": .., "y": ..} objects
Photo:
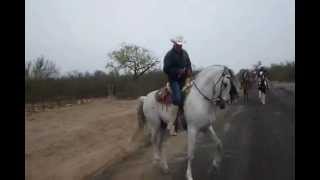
[{"x": 178, "y": 40}]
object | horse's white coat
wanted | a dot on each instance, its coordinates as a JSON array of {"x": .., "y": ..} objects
[{"x": 199, "y": 114}]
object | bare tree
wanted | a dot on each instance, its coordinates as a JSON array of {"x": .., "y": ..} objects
[
  {"x": 132, "y": 59},
  {"x": 43, "y": 69},
  {"x": 75, "y": 74},
  {"x": 99, "y": 74},
  {"x": 27, "y": 69}
]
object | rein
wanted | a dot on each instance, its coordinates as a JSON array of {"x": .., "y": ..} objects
[{"x": 213, "y": 99}]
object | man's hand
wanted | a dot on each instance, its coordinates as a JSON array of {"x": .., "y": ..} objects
[
  {"x": 189, "y": 73},
  {"x": 182, "y": 71}
]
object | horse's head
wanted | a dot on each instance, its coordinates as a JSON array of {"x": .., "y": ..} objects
[{"x": 226, "y": 88}]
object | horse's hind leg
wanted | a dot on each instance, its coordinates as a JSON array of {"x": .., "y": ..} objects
[
  {"x": 245, "y": 97},
  {"x": 218, "y": 151},
  {"x": 157, "y": 142},
  {"x": 163, "y": 160},
  {"x": 155, "y": 132}
]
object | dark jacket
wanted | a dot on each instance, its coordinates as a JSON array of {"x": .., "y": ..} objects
[{"x": 173, "y": 61}]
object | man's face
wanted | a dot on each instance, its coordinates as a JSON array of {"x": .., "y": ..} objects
[{"x": 177, "y": 47}]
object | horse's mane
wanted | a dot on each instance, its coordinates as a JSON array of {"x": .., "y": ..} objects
[{"x": 209, "y": 68}]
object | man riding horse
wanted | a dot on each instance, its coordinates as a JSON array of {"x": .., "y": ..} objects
[
  {"x": 177, "y": 66},
  {"x": 245, "y": 83},
  {"x": 263, "y": 82}
]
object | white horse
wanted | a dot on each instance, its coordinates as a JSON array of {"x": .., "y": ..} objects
[{"x": 212, "y": 87}]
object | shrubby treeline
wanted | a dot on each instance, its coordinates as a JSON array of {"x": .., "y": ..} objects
[{"x": 131, "y": 71}]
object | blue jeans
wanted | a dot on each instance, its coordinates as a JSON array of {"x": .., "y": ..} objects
[{"x": 176, "y": 93}]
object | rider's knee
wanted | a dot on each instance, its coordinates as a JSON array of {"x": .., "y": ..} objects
[{"x": 176, "y": 101}]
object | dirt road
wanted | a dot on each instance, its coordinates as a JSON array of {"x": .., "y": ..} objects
[{"x": 258, "y": 144}]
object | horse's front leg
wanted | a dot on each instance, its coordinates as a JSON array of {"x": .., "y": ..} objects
[
  {"x": 219, "y": 149},
  {"x": 171, "y": 127},
  {"x": 247, "y": 96},
  {"x": 192, "y": 133},
  {"x": 263, "y": 98},
  {"x": 259, "y": 94}
]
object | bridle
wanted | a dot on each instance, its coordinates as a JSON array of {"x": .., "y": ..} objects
[{"x": 219, "y": 97}]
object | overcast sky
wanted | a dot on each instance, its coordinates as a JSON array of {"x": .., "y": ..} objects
[{"x": 78, "y": 34}]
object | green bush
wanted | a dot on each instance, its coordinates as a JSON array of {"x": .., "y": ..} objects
[{"x": 282, "y": 72}]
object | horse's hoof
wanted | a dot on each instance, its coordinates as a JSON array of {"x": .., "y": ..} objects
[
  {"x": 189, "y": 177},
  {"x": 165, "y": 170},
  {"x": 156, "y": 161},
  {"x": 213, "y": 170},
  {"x": 215, "y": 167},
  {"x": 215, "y": 164},
  {"x": 173, "y": 133}
]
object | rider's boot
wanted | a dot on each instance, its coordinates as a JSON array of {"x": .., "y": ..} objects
[
  {"x": 181, "y": 124},
  {"x": 172, "y": 126}
]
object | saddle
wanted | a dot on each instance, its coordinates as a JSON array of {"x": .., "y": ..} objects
[{"x": 163, "y": 95}]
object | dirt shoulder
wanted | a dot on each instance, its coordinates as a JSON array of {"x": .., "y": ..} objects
[
  {"x": 73, "y": 142},
  {"x": 287, "y": 86}
]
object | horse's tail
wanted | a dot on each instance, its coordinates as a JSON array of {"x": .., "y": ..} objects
[
  {"x": 140, "y": 113},
  {"x": 140, "y": 134}
]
